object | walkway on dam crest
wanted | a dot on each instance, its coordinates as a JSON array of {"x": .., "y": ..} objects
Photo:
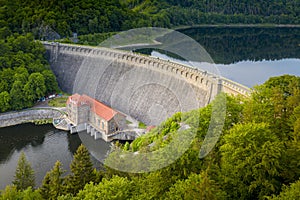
[{"x": 192, "y": 75}]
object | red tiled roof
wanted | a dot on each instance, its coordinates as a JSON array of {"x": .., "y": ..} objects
[
  {"x": 149, "y": 128},
  {"x": 97, "y": 107},
  {"x": 74, "y": 98}
]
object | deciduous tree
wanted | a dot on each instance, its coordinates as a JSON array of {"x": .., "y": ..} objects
[
  {"x": 18, "y": 99},
  {"x": 4, "y": 101},
  {"x": 251, "y": 161},
  {"x": 114, "y": 188},
  {"x": 50, "y": 81},
  {"x": 35, "y": 87},
  {"x": 197, "y": 186}
]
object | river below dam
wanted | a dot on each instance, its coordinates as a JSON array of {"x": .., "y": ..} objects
[
  {"x": 246, "y": 55},
  {"x": 43, "y": 146}
]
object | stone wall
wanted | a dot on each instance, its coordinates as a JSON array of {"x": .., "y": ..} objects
[
  {"x": 19, "y": 117},
  {"x": 146, "y": 88}
]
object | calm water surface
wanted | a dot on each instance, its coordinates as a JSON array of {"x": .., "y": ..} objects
[
  {"x": 43, "y": 146},
  {"x": 249, "y": 56},
  {"x": 248, "y": 72},
  {"x": 246, "y": 55}
]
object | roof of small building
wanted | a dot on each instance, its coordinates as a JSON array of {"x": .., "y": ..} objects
[
  {"x": 97, "y": 107},
  {"x": 149, "y": 128}
]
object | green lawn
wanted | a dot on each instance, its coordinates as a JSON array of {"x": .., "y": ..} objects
[
  {"x": 142, "y": 125},
  {"x": 58, "y": 102}
]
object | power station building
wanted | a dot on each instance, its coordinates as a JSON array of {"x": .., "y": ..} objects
[{"x": 86, "y": 113}]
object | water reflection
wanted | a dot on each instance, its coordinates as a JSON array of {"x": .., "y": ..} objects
[
  {"x": 249, "y": 56},
  {"x": 43, "y": 146},
  {"x": 231, "y": 45},
  {"x": 255, "y": 73},
  {"x": 17, "y": 137},
  {"x": 248, "y": 73}
]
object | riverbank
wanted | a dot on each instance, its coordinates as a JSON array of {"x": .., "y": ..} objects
[
  {"x": 33, "y": 115},
  {"x": 177, "y": 28},
  {"x": 94, "y": 38}
]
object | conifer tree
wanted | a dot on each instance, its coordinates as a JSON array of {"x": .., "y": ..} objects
[
  {"x": 45, "y": 188},
  {"x": 24, "y": 176},
  {"x": 52, "y": 185},
  {"x": 82, "y": 171}
]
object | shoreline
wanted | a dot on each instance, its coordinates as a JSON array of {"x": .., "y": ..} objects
[{"x": 183, "y": 27}]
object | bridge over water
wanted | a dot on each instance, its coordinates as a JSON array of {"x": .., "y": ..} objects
[{"x": 146, "y": 88}]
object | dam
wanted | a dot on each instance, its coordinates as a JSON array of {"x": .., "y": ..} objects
[{"x": 146, "y": 88}]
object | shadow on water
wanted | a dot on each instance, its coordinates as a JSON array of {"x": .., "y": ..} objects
[
  {"x": 43, "y": 145},
  {"x": 17, "y": 137},
  {"x": 73, "y": 142},
  {"x": 99, "y": 146}
]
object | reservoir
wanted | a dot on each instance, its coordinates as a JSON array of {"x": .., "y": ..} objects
[
  {"x": 246, "y": 55},
  {"x": 43, "y": 146}
]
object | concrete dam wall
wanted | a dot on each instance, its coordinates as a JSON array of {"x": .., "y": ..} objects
[{"x": 146, "y": 88}]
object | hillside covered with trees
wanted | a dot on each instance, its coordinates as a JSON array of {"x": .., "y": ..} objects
[
  {"x": 24, "y": 72},
  {"x": 25, "y": 75},
  {"x": 256, "y": 157},
  {"x": 54, "y": 19}
]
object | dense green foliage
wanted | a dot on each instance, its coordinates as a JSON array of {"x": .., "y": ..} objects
[
  {"x": 55, "y": 19},
  {"x": 257, "y": 157},
  {"x": 288, "y": 193},
  {"x": 214, "y": 11},
  {"x": 197, "y": 186},
  {"x": 47, "y": 18},
  {"x": 24, "y": 73},
  {"x": 52, "y": 186},
  {"x": 82, "y": 171},
  {"x": 12, "y": 193},
  {"x": 94, "y": 39},
  {"x": 24, "y": 176},
  {"x": 113, "y": 188}
]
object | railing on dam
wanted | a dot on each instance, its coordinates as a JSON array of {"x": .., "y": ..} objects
[{"x": 194, "y": 76}]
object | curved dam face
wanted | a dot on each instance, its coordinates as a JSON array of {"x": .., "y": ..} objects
[{"x": 148, "y": 89}]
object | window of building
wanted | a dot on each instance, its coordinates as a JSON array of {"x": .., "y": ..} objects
[{"x": 102, "y": 125}]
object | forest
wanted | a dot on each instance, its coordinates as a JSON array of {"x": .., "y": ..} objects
[
  {"x": 25, "y": 75},
  {"x": 58, "y": 19},
  {"x": 256, "y": 157},
  {"x": 24, "y": 71}
]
